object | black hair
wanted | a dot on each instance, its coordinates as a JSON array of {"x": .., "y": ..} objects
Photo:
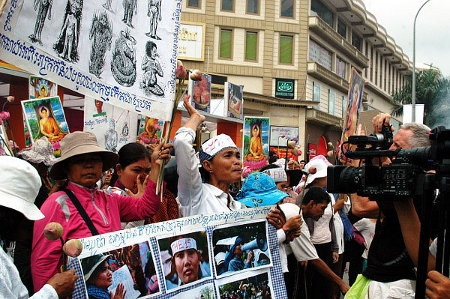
[
  {"x": 149, "y": 46},
  {"x": 316, "y": 194},
  {"x": 269, "y": 166},
  {"x": 130, "y": 153}
]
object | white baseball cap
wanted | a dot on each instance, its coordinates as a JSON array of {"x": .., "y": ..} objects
[{"x": 19, "y": 185}]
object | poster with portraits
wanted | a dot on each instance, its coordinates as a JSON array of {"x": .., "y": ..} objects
[
  {"x": 45, "y": 117},
  {"x": 200, "y": 92},
  {"x": 351, "y": 116},
  {"x": 121, "y": 52},
  {"x": 204, "y": 256},
  {"x": 234, "y": 100}
]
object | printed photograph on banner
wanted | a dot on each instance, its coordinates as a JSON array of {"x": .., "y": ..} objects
[
  {"x": 200, "y": 92},
  {"x": 280, "y": 137},
  {"x": 203, "y": 292},
  {"x": 150, "y": 130},
  {"x": 351, "y": 116},
  {"x": 240, "y": 248},
  {"x": 42, "y": 88},
  {"x": 129, "y": 269},
  {"x": 253, "y": 286},
  {"x": 234, "y": 97},
  {"x": 45, "y": 117},
  {"x": 184, "y": 259},
  {"x": 256, "y": 142},
  {"x": 113, "y": 126}
]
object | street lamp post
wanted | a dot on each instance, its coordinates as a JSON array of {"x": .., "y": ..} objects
[{"x": 413, "y": 92}]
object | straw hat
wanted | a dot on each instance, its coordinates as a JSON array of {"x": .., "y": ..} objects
[
  {"x": 78, "y": 143},
  {"x": 40, "y": 152},
  {"x": 19, "y": 186}
]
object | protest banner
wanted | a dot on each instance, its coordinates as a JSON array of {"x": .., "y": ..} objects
[{"x": 147, "y": 260}]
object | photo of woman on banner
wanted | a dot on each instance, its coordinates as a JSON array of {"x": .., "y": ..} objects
[{"x": 187, "y": 258}]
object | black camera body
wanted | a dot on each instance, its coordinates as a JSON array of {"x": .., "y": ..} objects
[{"x": 396, "y": 181}]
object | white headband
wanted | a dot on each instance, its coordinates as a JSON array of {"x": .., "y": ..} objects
[
  {"x": 183, "y": 244},
  {"x": 277, "y": 174},
  {"x": 217, "y": 143}
]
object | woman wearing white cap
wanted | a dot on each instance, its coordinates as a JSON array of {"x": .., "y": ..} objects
[{"x": 221, "y": 166}]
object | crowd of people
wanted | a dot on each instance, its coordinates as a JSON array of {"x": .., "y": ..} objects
[{"x": 318, "y": 232}]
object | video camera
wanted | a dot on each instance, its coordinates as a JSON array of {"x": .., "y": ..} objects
[{"x": 396, "y": 181}]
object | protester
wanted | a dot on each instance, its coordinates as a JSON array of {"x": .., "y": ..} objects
[
  {"x": 41, "y": 156},
  {"x": 327, "y": 233},
  {"x": 187, "y": 259},
  {"x": 82, "y": 162},
  {"x": 220, "y": 167},
  {"x": 98, "y": 278},
  {"x": 313, "y": 205},
  {"x": 17, "y": 195},
  {"x": 131, "y": 170},
  {"x": 393, "y": 253},
  {"x": 236, "y": 263}
]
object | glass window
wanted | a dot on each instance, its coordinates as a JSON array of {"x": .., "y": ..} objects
[
  {"x": 320, "y": 55},
  {"x": 286, "y": 43},
  {"x": 287, "y": 8},
  {"x": 340, "y": 67},
  {"x": 251, "y": 45},
  {"x": 356, "y": 41},
  {"x": 253, "y": 6},
  {"x": 227, "y": 5},
  {"x": 316, "y": 92},
  {"x": 331, "y": 101},
  {"x": 193, "y": 3},
  {"x": 344, "y": 105},
  {"x": 323, "y": 12},
  {"x": 225, "y": 43},
  {"x": 342, "y": 28}
]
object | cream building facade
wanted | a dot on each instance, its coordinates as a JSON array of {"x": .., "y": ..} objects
[{"x": 306, "y": 47}]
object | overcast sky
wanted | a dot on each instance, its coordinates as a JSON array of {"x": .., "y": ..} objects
[{"x": 432, "y": 29}]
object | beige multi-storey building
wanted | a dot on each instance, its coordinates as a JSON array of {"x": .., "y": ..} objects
[{"x": 294, "y": 58}]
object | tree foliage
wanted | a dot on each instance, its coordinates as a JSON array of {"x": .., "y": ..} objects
[{"x": 431, "y": 88}]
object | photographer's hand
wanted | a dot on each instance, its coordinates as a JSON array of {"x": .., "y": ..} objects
[{"x": 380, "y": 120}]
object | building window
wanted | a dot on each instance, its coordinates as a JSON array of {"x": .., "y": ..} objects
[
  {"x": 287, "y": 8},
  {"x": 253, "y": 7},
  {"x": 342, "y": 28},
  {"x": 356, "y": 41},
  {"x": 251, "y": 45},
  {"x": 344, "y": 105},
  {"x": 286, "y": 44},
  {"x": 316, "y": 92},
  {"x": 319, "y": 54},
  {"x": 331, "y": 101},
  {"x": 226, "y": 36},
  {"x": 341, "y": 67},
  {"x": 194, "y": 3},
  {"x": 227, "y": 5},
  {"x": 323, "y": 12}
]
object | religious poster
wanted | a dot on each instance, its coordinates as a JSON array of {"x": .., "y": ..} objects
[
  {"x": 351, "y": 116},
  {"x": 192, "y": 257},
  {"x": 121, "y": 52},
  {"x": 150, "y": 130},
  {"x": 234, "y": 100},
  {"x": 256, "y": 142},
  {"x": 4, "y": 142},
  {"x": 200, "y": 92},
  {"x": 41, "y": 88},
  {"x": 45, "y": 117},
  {"x": 113, "y": 126}
]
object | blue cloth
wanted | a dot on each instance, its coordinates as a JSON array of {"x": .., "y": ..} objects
[{"x": 97, "y": 293}]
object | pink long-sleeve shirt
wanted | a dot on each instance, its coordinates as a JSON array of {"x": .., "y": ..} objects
[{"x": 105, "y": 210}]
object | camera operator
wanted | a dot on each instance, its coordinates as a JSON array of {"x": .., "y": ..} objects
[{"x": 394, "y": 251}]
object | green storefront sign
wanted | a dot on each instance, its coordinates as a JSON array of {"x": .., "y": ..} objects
[{"x": 284, "y": 88}]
